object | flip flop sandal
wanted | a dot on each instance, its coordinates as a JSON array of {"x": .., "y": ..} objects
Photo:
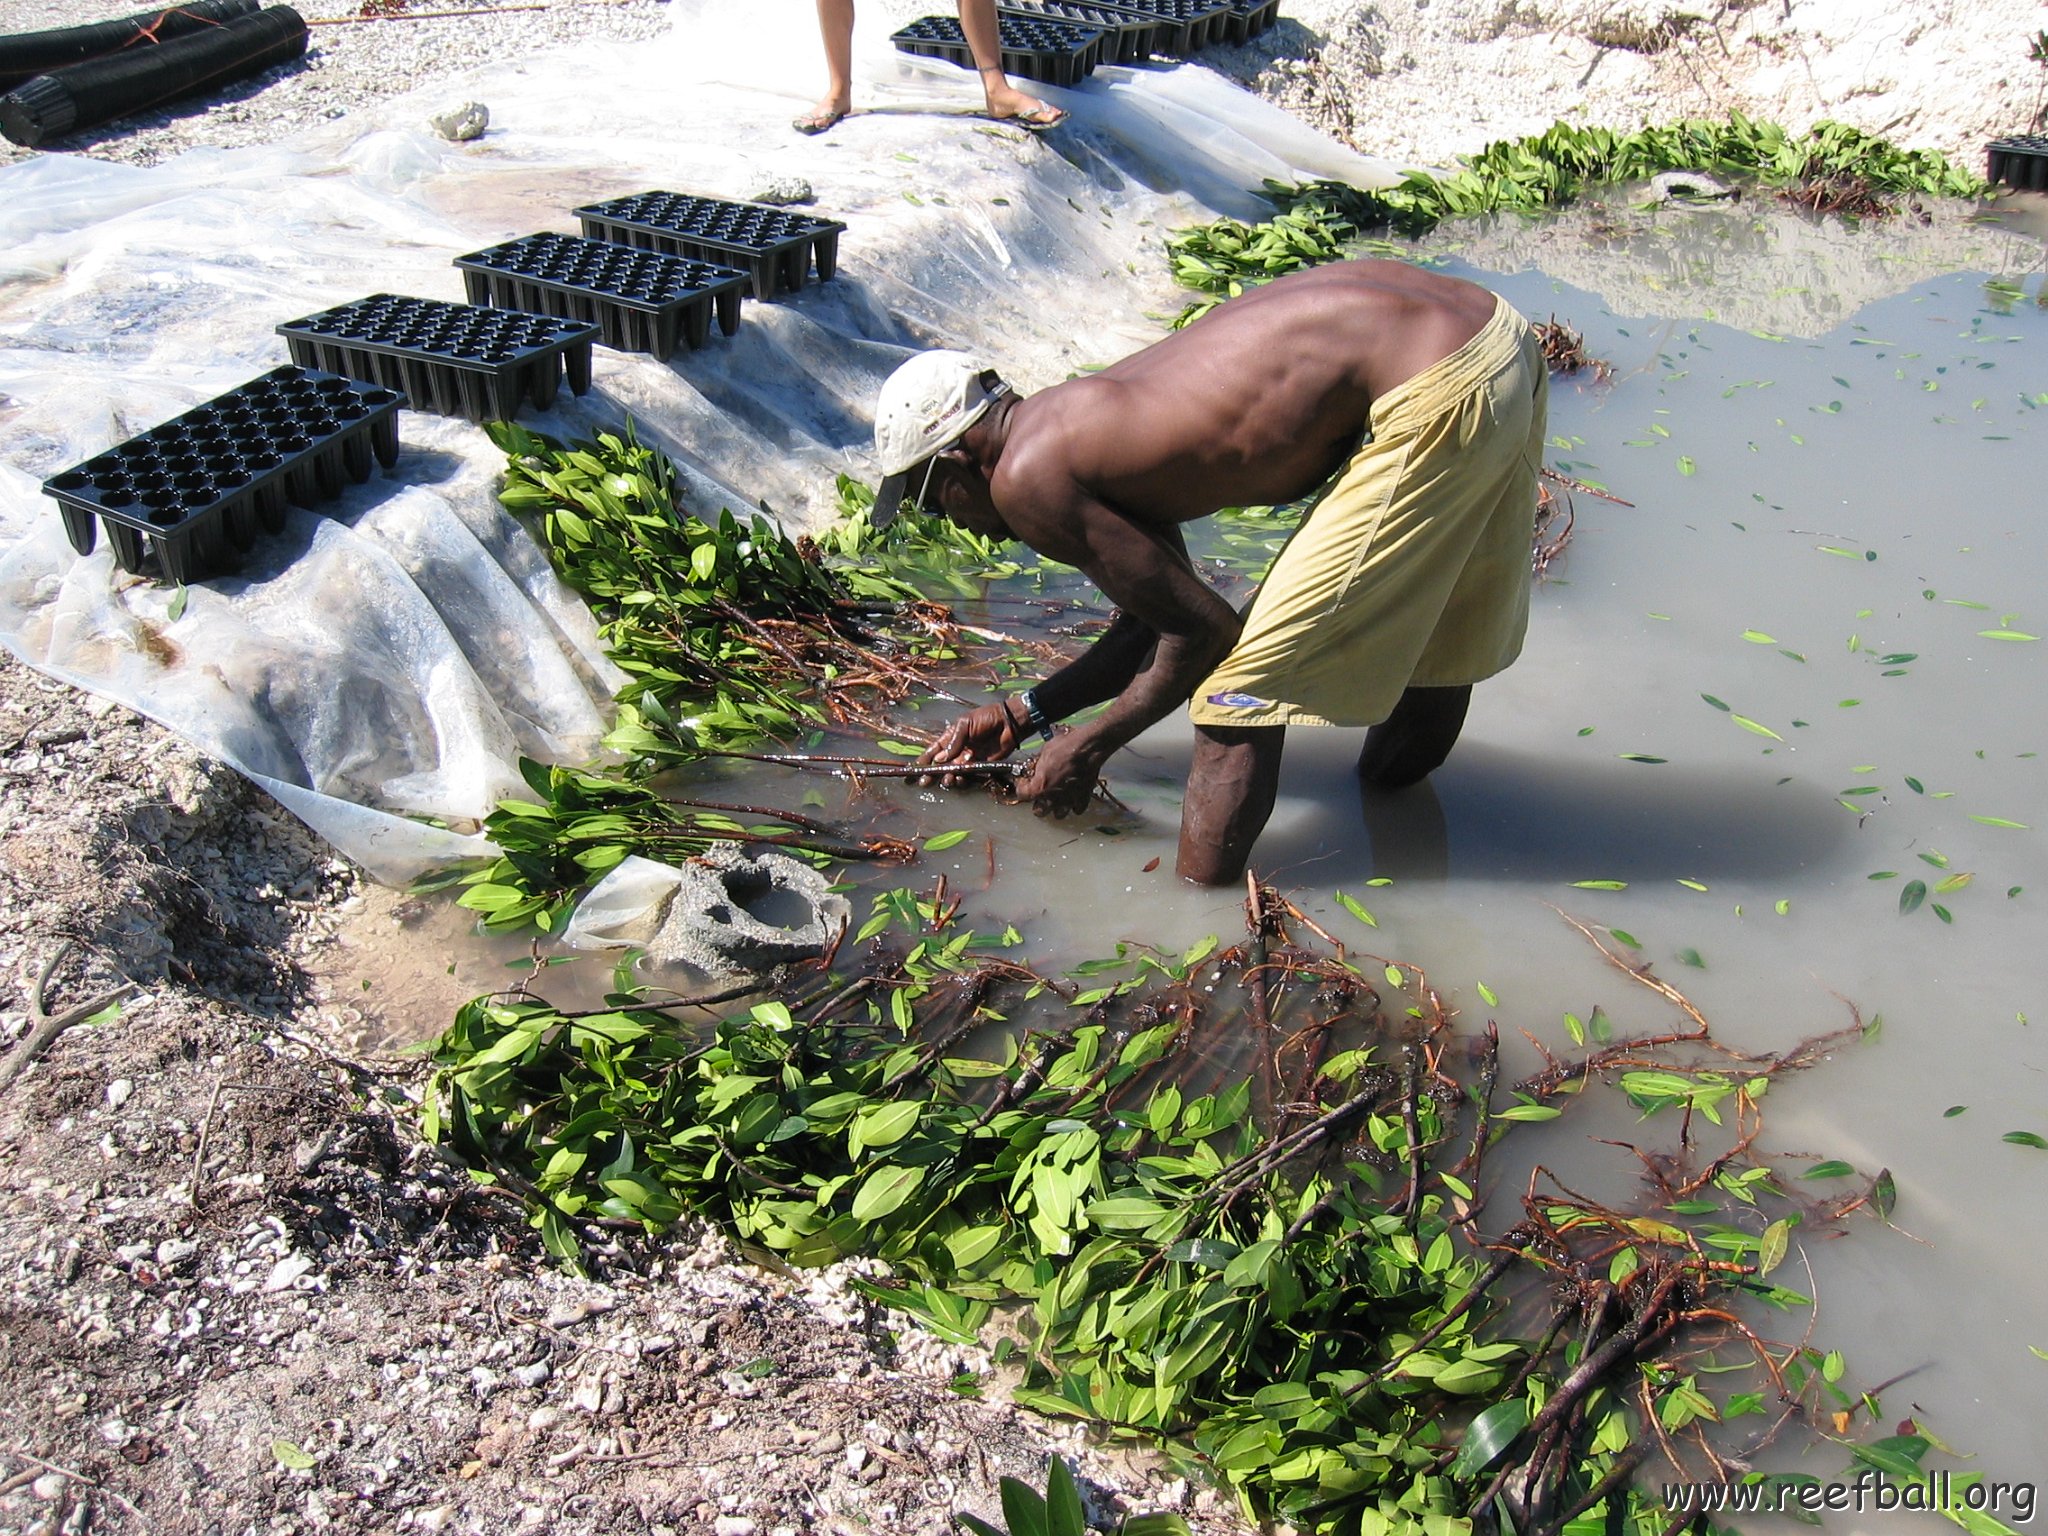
[
  {"x": 817, "y": 122},
  {"x": 1036, "y": 120}
]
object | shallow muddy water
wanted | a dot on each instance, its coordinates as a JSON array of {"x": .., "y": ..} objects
[
  {"x": 1786, "y": 695},
  {"x": 1784, "y": 707}
]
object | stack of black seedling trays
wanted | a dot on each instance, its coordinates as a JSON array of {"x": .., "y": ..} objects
[
  {"x": 1188, "y": 24},
  {"x": 196, "y": 491},
  {"x": 640, "y": 301},
  {"x": 2020, "y": 161},
  {"x": 1128, "y": 37},
  {"x": 1248, "y": 18},
  {"x": 775, "y": 247},
  {"x": 453, "y": 359},
  {"x": 1036, "y": 48}
]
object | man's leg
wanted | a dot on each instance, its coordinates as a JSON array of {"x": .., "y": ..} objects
[
  {"x": 1231, "y": 784},
  {"x": 985, "y": 41},
  {"x": 835, "y": 25},
  {"x": 1413, "y": 741}
]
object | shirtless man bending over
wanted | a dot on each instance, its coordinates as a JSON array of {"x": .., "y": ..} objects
[{"x": 1415, "y": 401}]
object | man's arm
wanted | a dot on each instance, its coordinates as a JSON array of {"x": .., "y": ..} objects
[
  {"x": 1146, "y": 571},
  {"x": 1101, "y": 672}
]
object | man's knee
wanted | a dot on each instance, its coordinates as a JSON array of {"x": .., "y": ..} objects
[{"x": 1413, "y": 741}]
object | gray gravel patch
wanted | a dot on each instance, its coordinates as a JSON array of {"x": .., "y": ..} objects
[{"x": 351, "y": 59}]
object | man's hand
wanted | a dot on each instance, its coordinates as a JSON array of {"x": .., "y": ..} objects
[
  {"x": 980, "y": 736},
  {"x": 1061, "y": 779}
]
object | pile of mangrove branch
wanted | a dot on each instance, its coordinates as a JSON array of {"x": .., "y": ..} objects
[{"x": 1307, "y": 1275}]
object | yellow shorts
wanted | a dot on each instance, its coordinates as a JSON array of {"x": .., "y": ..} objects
[{"x": 1413, "y": 568}]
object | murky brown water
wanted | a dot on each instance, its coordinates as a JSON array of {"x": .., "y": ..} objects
[{"x": 1793, "y": 678}]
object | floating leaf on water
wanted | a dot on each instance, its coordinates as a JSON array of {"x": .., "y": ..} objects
[
  {"x": 1750, "y": 725},
  {"x": 1758, "y": 637},
  {"x": 1884, "y": 1193},
  {"x": 1836, "y": 549},
  {"x": 1915, "y": 785},
  {"x": 1988, "y": 634},
  {"x": 1784, "y": 905},
  {"x": 1487, "y": 993},
  {"x": 1847, "y": 703},
  {"x": 1910, "y": 898},
  {"x": 1771, "y": 1247},
  {"x": 1692, "y": 958},
  {"x": 1954, "y": 882},
  {"x": 1641, "y": 757},
  {"x": 945, "y": 840},
  {"x": 1599, "y": 885},
  {"x": 1576, "y": 1028},
  {"x": 1953, "y": 1110},
  {"x": 1691, "y": 885},
  {"x": 1715, "y": 702},
  {"x": 1585, "y": 730},
  {"x": 1834, "y": 1168},
  {"x": 1623, "y": 936},
  {"x": 2000, "y": 821},
  {"x": 1686, "y": 465},
  {"x": 2026, "y": 1139},
  {"x": 1357, "y": 910}
]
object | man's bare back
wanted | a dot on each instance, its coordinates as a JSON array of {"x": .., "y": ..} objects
[{"x": 1256, "y": 404}]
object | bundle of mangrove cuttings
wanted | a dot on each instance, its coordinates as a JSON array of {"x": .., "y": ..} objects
[
  {"x": 729, "y": 629},
  {"x": 1295, "y": 1271},
  {"x": 583, "y": 825}
]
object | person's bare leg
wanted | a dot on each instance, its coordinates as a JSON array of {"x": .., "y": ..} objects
[
  {"x": 835, "y": 26},
  {"x": 985, "y": 41},
  {"x": 1231, "y": 785},
  {"x": 1413, "y": 741}
]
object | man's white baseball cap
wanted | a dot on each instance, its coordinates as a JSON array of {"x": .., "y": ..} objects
[{"x": 926, "y": 406}]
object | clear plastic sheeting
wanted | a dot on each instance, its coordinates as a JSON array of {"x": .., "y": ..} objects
[{"x": 382, "y": 664}]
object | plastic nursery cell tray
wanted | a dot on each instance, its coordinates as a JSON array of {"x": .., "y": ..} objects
[
  {"x": 640, "y": 301},
  {"x": 1188, "y": 24},
  {"x": 453, "y": 359},
  {"x": 196, "y": 491},
  {"x": 1034, "y": 47},
  {"x": 775, "y": 247},
  {"x": 2021, "y": 161},
  {"x": 1128, "y": 37},
  {"x": 1248, "y": 18}
]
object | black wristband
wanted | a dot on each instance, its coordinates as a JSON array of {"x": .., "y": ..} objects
[{"x": 1034, "y": 713}]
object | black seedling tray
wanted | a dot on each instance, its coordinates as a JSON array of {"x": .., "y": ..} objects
[
  {"x": 196, "y": 491},
  {"x": 1034, "y": 47},
  {"x": 1128, "y": 37},
  {"x": 1248, "y": 18},
  {"x": 2021, "y": 161},
  {"x": 640, "y": 301},
  {"x": 772, "y": 245},
  {"x": 452, "y": 359},
  {"x": 1189, "y": 24}
]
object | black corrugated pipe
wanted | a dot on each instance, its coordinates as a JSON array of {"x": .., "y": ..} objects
[
  {"x": 28, "y": 54},
  {"x": 85, "y": 95}
]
